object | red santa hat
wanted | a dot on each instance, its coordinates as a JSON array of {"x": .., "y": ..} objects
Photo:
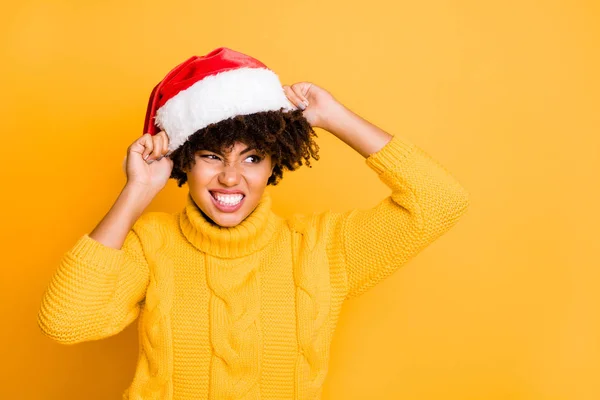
[{"x": 207, "y": 89}]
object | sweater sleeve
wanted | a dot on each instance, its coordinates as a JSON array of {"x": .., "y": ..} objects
[
  {"x": 426, "y": 201},
  {"x": 96, "y": 291}
]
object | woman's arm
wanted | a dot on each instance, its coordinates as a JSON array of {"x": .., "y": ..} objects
[
  {"x": 426, "y": 200},
  {"x": 101, "y": 281},
  {"x": 322, "y": 110}
]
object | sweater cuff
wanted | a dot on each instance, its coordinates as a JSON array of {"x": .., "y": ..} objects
[
  {"x": 393, "y": 153},
  {"x": 95, "y": 253}
]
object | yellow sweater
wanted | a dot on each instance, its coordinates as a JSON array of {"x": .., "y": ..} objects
[{"x": 247, "y": 312}]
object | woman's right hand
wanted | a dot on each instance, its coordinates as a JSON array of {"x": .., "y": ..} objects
[{"x": 146, "y": 164}]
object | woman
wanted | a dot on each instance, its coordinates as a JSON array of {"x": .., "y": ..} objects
[{"x": 235, "y": 302}]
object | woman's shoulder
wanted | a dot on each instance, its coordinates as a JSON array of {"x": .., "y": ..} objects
[{"x": 155, "y": 221}]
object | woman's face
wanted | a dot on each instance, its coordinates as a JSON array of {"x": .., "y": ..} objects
[{"x": 242, "y": 171}]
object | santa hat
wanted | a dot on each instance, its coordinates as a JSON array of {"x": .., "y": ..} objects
[{"x": 211, "y": 88}]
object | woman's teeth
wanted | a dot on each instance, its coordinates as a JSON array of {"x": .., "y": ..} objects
[{"x": 228, "y": 199}]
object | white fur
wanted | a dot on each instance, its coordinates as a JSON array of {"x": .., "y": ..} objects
[{"x": 218, "y": 97}]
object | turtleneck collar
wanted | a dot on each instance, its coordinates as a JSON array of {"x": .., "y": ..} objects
[{"x": 247, "y": 237}]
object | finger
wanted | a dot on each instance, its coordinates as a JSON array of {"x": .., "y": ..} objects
[
  {"x": 156, "y": 147},
  {"x": 165, "y": 147},
  {"x": 168, "y": 141},
  {"x": 146, "y": 141},
  {"x": 297, "y": 89},
  {"x": 160, "y": 143},
  {"x": 293, "y": 97},
  {"x": 138, "y": 145}
]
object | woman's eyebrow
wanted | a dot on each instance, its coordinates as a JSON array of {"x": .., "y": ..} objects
[{"x": 247, "y": 149}]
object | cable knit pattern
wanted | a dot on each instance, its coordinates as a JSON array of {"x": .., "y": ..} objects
[
  {"x": 313, "y": 305},
  {"x": 247, "y": 312},
  {"x": 235, "y": 331},
  {"x": 232, "y": 275},
  {"x": 153, "y": 377}
]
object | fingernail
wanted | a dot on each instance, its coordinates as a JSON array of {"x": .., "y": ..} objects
[
  {"x": 146, "y": 156},
  {"x": 302, "y": 106},
  {"x": 306, "y": 102}
]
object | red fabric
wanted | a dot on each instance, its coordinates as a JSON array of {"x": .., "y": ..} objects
[{"x": 191, "y": 71}]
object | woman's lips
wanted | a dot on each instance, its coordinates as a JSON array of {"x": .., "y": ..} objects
[{"x": 226, "y": 208}]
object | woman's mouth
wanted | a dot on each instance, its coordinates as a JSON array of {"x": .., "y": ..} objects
[{"x": 227, "y": 202}]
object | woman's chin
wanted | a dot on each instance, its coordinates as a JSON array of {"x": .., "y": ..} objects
[
  {"x": 227, "y": 224},
  {"x": 226, "y": 220}
]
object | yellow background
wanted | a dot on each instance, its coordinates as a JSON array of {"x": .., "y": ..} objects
[{"x": 503, "y": 93}]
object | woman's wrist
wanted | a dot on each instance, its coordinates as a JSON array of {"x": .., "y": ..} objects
[
  {"x": 136, "y": 196},
  {"x": 331, "y": 116}
]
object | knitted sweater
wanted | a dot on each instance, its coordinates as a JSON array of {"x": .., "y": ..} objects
[{"x": 247, "y": 312}]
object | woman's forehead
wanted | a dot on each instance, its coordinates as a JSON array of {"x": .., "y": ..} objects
[{"x": 238, "y": 147}]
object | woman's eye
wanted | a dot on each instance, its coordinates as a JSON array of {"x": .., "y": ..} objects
[{"x": 257, "y": 158}]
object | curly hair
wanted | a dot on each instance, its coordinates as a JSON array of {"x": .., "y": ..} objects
[{"x": 287, "y": 136}]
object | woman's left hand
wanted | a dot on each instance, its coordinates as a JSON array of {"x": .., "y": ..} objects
[{"x": 312, "y": 99}]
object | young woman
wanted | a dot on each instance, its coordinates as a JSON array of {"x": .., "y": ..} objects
[{"x": 235, "y": 302}]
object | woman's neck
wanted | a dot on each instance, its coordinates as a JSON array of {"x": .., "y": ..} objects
[{"x": 247, "y": 237}]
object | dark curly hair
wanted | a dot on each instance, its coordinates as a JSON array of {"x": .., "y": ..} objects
[{"x": 286, "y": 135}]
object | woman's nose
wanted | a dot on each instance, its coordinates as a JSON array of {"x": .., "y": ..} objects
[{"x": 229, "y": 175}]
